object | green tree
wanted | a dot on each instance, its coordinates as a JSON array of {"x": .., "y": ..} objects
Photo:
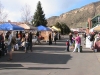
[
  {"x": 58, "y": 25},
  {"x": 64, "y": 28},
  {"x": 39, "y": 16}
]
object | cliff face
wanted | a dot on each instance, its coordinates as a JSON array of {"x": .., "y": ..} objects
[{"x": 77, "y": 17}]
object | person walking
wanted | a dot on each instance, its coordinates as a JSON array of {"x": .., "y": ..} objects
[
  {"x": 55, "y": 37},
  {"x": 67, "y": 46},
  {"x": 10, "y": 46},
  {"x": 30, "y": 41},
  {"x": 50, "y": 39},
  {"x": 23, "y": 43},
  {"x": 77, "y": 43},
  {"x": 91, "y": 38},
  {"x": 26, "y": 42},
  {"x": 38, "y": 37},
  {"x": 84, "y": 36},
  {"x": 70, "y": 38}
]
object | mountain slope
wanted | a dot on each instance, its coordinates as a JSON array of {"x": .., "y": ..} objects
[{"x": 77, "y": 17}]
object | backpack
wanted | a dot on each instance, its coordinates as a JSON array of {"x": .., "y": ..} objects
[
  {"x": 13, "y": 41},
  {"x": 67, "y": 43}
]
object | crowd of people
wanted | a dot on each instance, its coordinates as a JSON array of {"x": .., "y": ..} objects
[
  {"x": 93, "y": 38},
  {"x": 10, "y": 42},
  {"x": 54, "y": 36},
  {"x": 21, "y": 40},
  {"x": 74, "y": 40}
]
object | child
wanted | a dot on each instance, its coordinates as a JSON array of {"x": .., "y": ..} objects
[{"x": 67, "y": 46}]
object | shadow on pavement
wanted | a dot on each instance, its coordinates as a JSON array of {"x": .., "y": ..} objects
[
  {"x": 10, "y": 65},
  {"x": 41, "y": 54},
  {"x": 35, "y": 68},
  {"x": 48, "y": 48},
  {"x": 39, "y": 58},
  {"x": 87, "y": 51}
]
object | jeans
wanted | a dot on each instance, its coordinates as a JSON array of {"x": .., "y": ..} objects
[
  {"x": 77, "y": 46},
  {"x": 26, "y": 46},
  {"x": 71, "y": 42},
  {"x": 9, "y": 47},
  {"x": 67, "y": 48},
  {"x": 30, "y": 46},
  {"x": 19, "y": 42}
]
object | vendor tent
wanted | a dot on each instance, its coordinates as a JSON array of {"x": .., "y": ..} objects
[
  {"x": 55, "y": 28},
  {"x": 43, "y": 28},
  {"x": 9, "y": 26},
  {"x": 25, "y": 26},
  {"x": 52, "y": 29},
  {"x": 97, "y": 28}
]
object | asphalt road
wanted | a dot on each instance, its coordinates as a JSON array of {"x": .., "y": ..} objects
[{"x": 51, "y": 60}]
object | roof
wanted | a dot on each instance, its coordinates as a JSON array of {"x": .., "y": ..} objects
[
  {"x": 25, "y": 26},
  {"x": 95, "y": 16}
]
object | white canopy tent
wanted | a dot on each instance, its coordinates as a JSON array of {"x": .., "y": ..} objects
[{"x": 96, "y": 28}]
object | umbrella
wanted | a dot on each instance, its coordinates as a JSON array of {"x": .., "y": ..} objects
[
  {"x": 9, "y": 26},
  {"x": 43, "y": 28}
]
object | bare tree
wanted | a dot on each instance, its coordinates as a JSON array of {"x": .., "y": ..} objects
[
  {"x": 3, "y": 14},
  {"x": 25, "y": 14}
]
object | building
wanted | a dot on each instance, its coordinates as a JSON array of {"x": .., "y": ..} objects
[{"x": 92, "y": 22}]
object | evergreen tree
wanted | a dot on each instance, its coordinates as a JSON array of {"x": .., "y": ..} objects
[{"x": 39, "y": 16}]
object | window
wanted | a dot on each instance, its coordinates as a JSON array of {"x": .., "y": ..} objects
[{"x": 98, "y": 19}]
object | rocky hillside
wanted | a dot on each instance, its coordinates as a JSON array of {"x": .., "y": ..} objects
[{"x": 77, "y": 17}]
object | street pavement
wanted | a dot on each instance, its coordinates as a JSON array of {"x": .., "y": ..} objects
[{"x": 51, "y": 60}]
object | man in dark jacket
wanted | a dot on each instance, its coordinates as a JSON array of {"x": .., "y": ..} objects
[
  {"x": 70, "y": 38},
  {"x": 50, "y": 39},
  {"x": 30, "y": 41}
]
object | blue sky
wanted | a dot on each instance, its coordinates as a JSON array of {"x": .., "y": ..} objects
[{"x": 50, "y": 7}]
